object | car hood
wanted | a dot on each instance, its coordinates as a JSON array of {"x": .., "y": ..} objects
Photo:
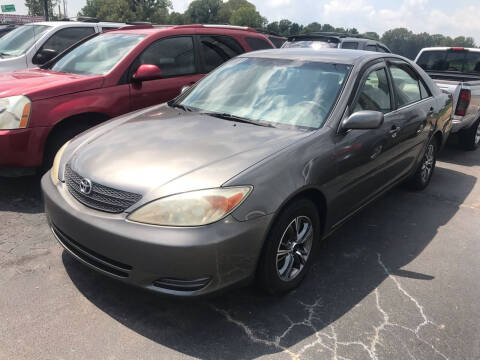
[
  {"x": 40, "y": 84},
  {"x": 163, "y": 151}
]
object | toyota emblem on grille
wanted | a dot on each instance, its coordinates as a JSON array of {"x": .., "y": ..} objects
[{"x": 85, "y": 186}]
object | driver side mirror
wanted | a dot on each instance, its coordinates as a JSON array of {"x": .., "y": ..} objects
[
  {"x": 147, "y": 72},
  {"x": 363, "y": 120},
  {"x": 44, "y": 56}
]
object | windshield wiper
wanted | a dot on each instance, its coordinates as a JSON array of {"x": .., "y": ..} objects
[
  {"x": 2, "y": 54},
  {"x": 180, "y": 106},
  {"x": 231, "y": 117}
]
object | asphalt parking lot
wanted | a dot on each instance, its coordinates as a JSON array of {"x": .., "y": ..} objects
[{"x": 399, "y": 281}]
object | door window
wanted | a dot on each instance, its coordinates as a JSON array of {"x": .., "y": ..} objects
[
  {"x": 350, "y": 45},
  {"x": 382, "y": 49},
  {"x": 218, "y": 49},
  {"x": 375, "y": 93},
  {"x": 174, "y": 56},
  {"x": 257, "y": 44},
  {"x": 371, "y": 48},
  {"x": 405, "y": 84},
  {"x": 65, "y": 38}
]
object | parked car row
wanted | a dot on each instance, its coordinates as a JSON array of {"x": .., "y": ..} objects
[
  {"x": 104, "y": 76},
  {"x": 221, "y": 164}
]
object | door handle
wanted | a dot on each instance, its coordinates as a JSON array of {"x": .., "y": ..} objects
[{"x": 394, "y": 131}]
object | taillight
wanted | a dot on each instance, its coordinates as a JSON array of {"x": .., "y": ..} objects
[
  {"x": 457, "y": 48},
  {"x": 463, "y": 102}
]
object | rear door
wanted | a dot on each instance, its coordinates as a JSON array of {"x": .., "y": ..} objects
[
  {"x": 413, "y": 115},
  {"x": 216, "y": 49},
  {"x": 177, "y": 58}
]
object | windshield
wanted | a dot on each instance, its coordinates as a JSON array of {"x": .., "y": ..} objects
[
  {"x": 463, "y": 61},
  {"x": 18, "y": 41},
  {"x": 99, "y": 55},
  {"x": 313, "y": 44},
  {"x": 273, "y": 91}
]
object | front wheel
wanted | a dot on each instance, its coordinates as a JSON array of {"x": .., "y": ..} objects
[
  {"x": 287, "y": 255},
  {"x": 424, "y": 173},
  {"x": 470, "y": 138}
]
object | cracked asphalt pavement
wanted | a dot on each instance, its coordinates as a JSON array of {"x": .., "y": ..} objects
[{"x": 399, "y": 281}]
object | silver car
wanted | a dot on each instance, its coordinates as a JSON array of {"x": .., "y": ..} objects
[{"x": 243, "y": 174}]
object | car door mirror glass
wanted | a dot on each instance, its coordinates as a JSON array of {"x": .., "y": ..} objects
[
  {"x": 147, "y": 72},
  {"x": 363, "y": 120},
  {"x": 44, "y": 56}
]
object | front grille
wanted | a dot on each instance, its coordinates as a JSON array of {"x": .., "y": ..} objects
[
  {"x": 92, "y": 258},
  {"x": 101, "y": 198}
]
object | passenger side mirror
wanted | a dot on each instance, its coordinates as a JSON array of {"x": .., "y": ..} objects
[
  {"x": 147, "y": 72},
  {"x": 363, "y": 120},
  {"x": 44, "y": 56}
]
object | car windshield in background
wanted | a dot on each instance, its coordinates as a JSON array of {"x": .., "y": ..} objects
[
  {"x": 450, "y": 60},
  {"x": 311, "y": 44},
  {"x": 99, "y": 55},
  {"x": 271, "y": 91},
  {"x": 18, "y": 41}
]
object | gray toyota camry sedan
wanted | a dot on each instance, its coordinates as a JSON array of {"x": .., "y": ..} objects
[{"x": 243, "y": 174}]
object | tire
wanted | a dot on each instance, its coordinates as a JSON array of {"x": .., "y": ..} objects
[
  {"x": 423, "y": 175},
  {"x": 59, "y": 137},
  {"x": 470, "y": 138},
  {"x": 294, "y": 258}
]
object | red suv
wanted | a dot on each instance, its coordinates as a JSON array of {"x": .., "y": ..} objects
[{"x": 106, "y": 76}]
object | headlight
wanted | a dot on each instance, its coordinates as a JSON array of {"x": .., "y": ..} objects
[
  {"x": 56, "y": 164},
  {"x": 14, "y": 112},
  {"x": 193, "y": 208}
]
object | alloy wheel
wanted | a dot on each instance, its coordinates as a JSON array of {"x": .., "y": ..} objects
[
  {"x": 428, "y": 162},
  {"x": 477, "y": 134},
  {"x": 294, "y": 248}
]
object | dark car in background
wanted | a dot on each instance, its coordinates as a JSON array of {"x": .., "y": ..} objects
[
  {"x": 111, "y": 74},
  {"x": 245, "y": 172},
  {"x": 318, "y": 40}
]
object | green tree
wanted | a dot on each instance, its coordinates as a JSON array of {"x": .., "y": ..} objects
[
  {"x": 312, "y": 27},
  {"x": 284, "y": 27},
  {"x": 247, "y": 16},
  {"x": 371, "y": 35},
  {"x": 229, "y": 7},
  {"x": 36, "y": 7},
  {"x": 203, "y": 11},
  {"x": 273, "y": 27},
  {"x": 155, "y": 11}
]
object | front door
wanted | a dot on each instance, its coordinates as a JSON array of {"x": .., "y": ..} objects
[
  {"x": 364, "y": 157},
  {"x": 176, "y": 58}
]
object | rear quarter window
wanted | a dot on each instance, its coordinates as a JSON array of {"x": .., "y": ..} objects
[
  {"x": 350, "y": 45},
  {"x": 257, "y": 43}
]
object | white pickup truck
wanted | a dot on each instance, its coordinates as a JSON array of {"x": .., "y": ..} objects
[{"x": 456, "y": 70}]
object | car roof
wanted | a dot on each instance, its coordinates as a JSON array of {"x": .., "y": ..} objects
[
  {"x": 335, "y": 56},
  {"x": 75, "y": 23},
  {"x": 153, "y": 29}
]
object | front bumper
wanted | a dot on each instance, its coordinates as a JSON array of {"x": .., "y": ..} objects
[
  {"x": 22, "y": 148},
  {"x": 176, "y": 261}
]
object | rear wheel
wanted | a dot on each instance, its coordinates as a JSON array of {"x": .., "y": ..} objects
[
  {"x": 470, "y": 138},
  {"x": 289, "y": 249},
  {"x": 424, "y": 173}
]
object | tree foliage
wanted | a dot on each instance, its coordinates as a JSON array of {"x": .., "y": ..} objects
[
  {"x": 36, "y": 7},
  {"x": 405, "y": 42},
  {"x": 242, "y": 12}
]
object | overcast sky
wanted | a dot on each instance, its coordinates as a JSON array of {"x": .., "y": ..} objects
[{"x": 447, "y": 17}]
